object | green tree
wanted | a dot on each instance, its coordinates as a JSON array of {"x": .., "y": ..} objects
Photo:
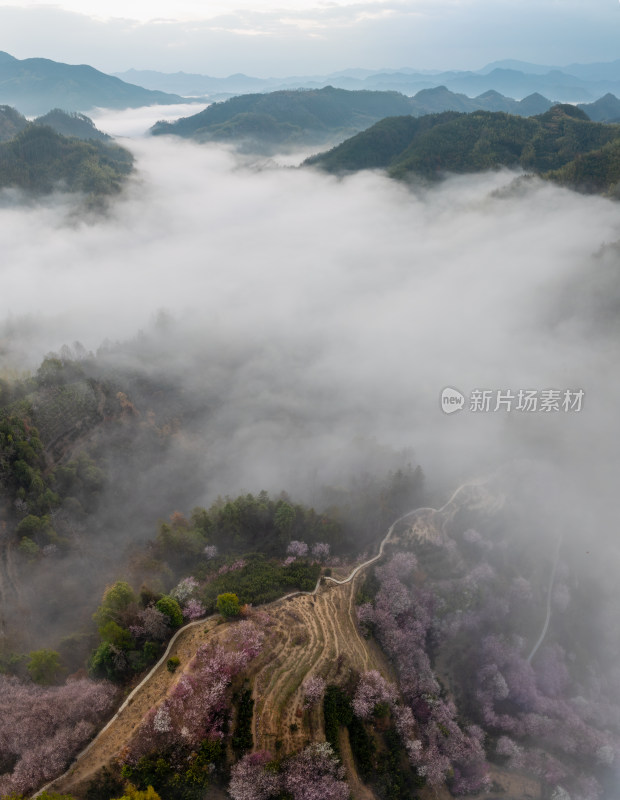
[
  {"x": 284, "y": 519},
  {"x": 131, "y": 793},
  {"x": 116, "y": 600},
  {"x": 43, "y": 666},
  {"x": 170, "y": 607},
  {"x": 228, "y": 604},
  {"x": 113, "y": 633}
]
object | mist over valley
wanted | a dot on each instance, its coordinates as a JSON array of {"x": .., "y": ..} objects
[{"x": 241, "y": 353}]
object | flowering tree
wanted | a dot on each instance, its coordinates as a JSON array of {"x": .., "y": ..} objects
[
  {"x": 193, "y": 609},
  {"x": 251, "y": 781},
  {"x": 316, "y": 774},
  {"x": 153, "y": 625},
  {"x": 297, "y": 549},
  {"x": 184, "y": 589},
  {"x": 403, "y": 619},
  {"x": 198, "y": 705},
  {"x": 313, "y": 689},
  {"x": 42, "y": 728},
  {"x": 320, "y": 551},
  {"x": 372, "y": 690}
]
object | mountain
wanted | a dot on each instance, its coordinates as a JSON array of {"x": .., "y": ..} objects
[
  {"x": 193, "y": 85},
  {"x": 518, "y": 79},
  {"x": 291, "y": 117},
  {"x": 605, "y": 109},
  {"x": 431, "y": 101},
  {"x": 315, "y": 116},
  {"x": 39, "y": 160},
  {"x": 35, "y": 85},
  {"x": 79, "y": 126},
  {"x": 75, "y": 125},
  {"x": 562, "y": 145},
  {"x": 11, "y": 123}
]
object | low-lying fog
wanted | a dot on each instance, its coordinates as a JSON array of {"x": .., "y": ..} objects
[
  {"x": 320, "y": 311},
  {"x": 315, "y": 322}
]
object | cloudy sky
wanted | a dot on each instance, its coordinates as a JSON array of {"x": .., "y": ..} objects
[{"x": 287, "y": 37}]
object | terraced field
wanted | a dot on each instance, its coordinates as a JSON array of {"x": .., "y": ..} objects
[{"x": 312, "y": 635}]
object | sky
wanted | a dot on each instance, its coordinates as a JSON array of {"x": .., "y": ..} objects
[{"x": 302, "y": 37}]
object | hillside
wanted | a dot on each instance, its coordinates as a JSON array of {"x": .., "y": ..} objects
[
  {"x": 413, "y": 667},
  {"x": 66, "y": 123},
  {"x": 38, "y": 160},
  {"x": 288, "y": 116},
  {"x": 11, "y": 123},
  {"x": 319, "y": 115},
  {"x": 463, "y": 143},
  {"x": 36, "y": 85},
  {"x": 75, "y": 125}
]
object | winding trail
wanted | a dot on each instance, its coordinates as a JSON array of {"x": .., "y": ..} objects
[
  {"x": 211, "y": 621},
  {"x": 543, "y": 633}
]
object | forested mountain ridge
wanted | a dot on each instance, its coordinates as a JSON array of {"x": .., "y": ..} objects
[
  {"x": 67, "y": 123},
  {"x": 287, "y": 116},
  {"x": 562, "y": 145},
  {"x": 315, "y": 115},
  {"x": 38, "y": 160}
]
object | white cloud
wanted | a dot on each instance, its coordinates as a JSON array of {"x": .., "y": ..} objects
[{"x": 281, "y": 40}]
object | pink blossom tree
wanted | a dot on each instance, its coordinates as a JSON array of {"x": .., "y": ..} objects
[
  {"x": 43, "y": 727},
  {"x": 193, "y": 609},
  {"x": 316, "y": 774},
  {"x": 372, "y": 689},
  {"x": 297, "y": 549},
  {"x": 313, "y": 689},
  {"x": 249, "y": 780},
  {"x": 199, "y": 705}
]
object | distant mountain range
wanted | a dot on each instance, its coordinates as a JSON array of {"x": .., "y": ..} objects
[
  {"x": 271, "y": 120},
  {"x": 561, "y": 145},
  {"x": 570, "y": 84},
  {"x": 36, "y": 85}
]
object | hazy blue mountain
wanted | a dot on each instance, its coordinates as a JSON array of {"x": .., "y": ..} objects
[
  {"x": 602, "y": 71},
  {"x": 193, "y": 85},
  {"x": 605, "y": 109},
  {"x": 509, "y": 77},
  {"x": 430, "y": 101},
  {"x": 520, "y": 66},
  {"x": 36, "y": 85}
]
